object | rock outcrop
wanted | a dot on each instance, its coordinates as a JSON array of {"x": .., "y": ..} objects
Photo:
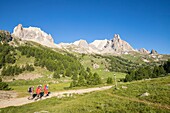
[
  {"x": 153, "y": 52},
  {"x": 33, "y": 34},
  {"x": 81, "y": 44},
  {"x": 117, "y": 46},
  {"x": 5, "y": 36},
  {"x": 143, "y": 51}
]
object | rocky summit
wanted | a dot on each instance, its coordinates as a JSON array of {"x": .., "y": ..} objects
[
  {"x": 33, "y": 34},
  {"x": 144, "y": 51},
  {"x": 153, "y": 52},
  {"x": 115, "y": 46}
]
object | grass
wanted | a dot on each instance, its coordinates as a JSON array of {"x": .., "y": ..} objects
[
  {"x": 22, "y": 89},
  {"x": 104, "y": 101},
  {"x": 159, "y": 90},
  {"x": 89, "y": 60},
  {"x": 21, "y": 86},
  {"x": 22, "y": 59},
  {"x": 134, "y": 58}
]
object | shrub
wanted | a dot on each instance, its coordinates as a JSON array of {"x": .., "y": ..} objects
[
  {"x": 56, "y": 75},
  {"x": 4, "y": 86},
  {"x": 109, "y": 80}
]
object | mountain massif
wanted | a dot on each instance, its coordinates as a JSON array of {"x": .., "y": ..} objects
[
  {"x": 33, "y": 34},
  {"x": 115, "y": 46}
]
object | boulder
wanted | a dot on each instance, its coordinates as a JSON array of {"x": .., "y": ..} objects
[
  {"x": 145, "y": 94},
  {"x": 124, "y": 87}
]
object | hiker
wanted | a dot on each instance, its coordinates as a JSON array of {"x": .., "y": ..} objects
[
  {"x": 31, "y": 92},
  {"x": 38, "y": 90},
  {"x": 41, "y": 93},
  {"x": 46, "y": 90}
]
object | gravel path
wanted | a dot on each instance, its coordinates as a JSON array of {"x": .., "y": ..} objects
[{"x": 24, "y": 100}]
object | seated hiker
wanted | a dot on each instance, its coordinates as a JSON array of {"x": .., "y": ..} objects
[{"x": 31, "y": 92}]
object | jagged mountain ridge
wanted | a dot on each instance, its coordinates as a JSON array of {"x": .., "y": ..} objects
[
  {"x": 33, "y": 34},
  {"x": 113, "y": 46}
]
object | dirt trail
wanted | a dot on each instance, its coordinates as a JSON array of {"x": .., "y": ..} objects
[
  {"x": 158, "y": 105},
  {"x": 24, "y": 100}
]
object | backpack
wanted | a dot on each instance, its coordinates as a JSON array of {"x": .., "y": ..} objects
[
  {"x": 46, "y": 87},
  {"x": 29, "y": 89}
]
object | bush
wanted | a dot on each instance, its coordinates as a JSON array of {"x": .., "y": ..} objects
[
  {"x": 56, "y": 75},
  {"x": 109, "y": 80},
  {"x": 4, "y": 86}
]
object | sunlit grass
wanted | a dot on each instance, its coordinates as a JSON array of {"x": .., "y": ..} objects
[{"x": 103, "y": 101}]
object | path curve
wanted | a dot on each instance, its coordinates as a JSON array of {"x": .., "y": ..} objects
[{"x": 24, "y": 100}]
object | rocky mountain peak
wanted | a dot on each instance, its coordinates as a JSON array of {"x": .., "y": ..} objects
[
  {"x": 143, "y": 51},
  {"x": 33, "y": 34},
  {"x": 153, "y": 52},
  {"x": 81, "y": 43},
  {"x": 117, "y": 36},
  {"x": 120, "y": 45},
  {"x": 99, "y": 44},
  {"x": 19, "y": 27}
]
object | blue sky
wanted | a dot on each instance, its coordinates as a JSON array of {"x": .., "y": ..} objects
[{"x": 142, "y": 23}]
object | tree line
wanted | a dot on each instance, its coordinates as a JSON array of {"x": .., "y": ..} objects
[
  {"x": 16, "y": 70},
  {"x": 85, "y": 78},
  {"x": 148, "y": 72},
  {"x": 7, "y": 54},
  {"x": 118, "y": 64},
  {"x": 65, "y": 65}
]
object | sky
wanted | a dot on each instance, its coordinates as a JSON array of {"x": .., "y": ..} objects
[{"x": 142, "y": 23}]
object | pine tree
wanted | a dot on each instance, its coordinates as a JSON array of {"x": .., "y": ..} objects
[{"x": 97, "y": 79}]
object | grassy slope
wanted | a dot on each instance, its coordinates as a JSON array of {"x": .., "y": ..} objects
[
  {"x": 21, "y": 86},
  {"x": 138, "y": 58},
  {"x": 88, "y": 60},
  {"x": 108, "y": 101},
  {"x": 158, "y": 88}
]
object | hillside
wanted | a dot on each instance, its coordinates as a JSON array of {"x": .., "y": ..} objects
[
  {"x": 25, "y": 63},
  {"x": 127, "y": 99},
  {"x": 29, "y": 63}
]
